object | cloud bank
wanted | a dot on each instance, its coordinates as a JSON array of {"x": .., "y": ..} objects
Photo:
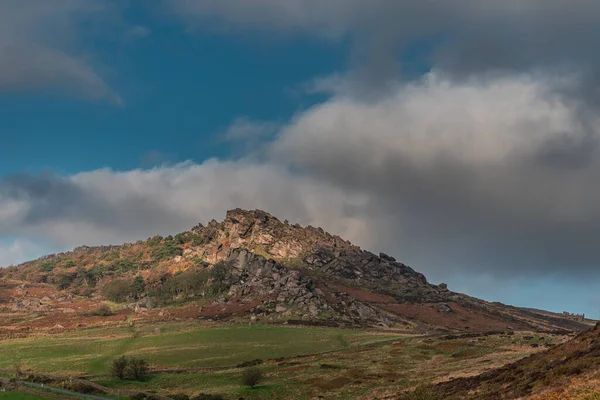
[
  {"x": 497, "y": 175},
  {"x": 462, "y": 37}
]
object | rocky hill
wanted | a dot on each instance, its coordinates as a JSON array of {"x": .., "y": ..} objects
[{"x": 252, "y": 266}]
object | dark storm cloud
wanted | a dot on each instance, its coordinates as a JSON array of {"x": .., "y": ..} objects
[
  {"x": 464, "y": 37},
  {"x": 494, "y": 176},
  {"x": 40, "y": 47}
]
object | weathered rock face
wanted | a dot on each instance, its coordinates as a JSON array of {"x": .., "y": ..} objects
[
  {"x": 314, "y": 251},
  {"x": 263, "y": 234},
  {"x": 289, "y": 293}
]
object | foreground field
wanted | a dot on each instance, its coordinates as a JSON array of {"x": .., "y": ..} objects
[
  {"x": 300, "y": 363},
  {"x": 180, "y": 345},
  {"x": 19, "y": 396}
]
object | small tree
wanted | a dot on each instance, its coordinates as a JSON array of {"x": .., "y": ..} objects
[
  {"x": 220, "y": 274},
  {"x": 119, "y": 367},
  {"x": 137, "y": 369},
  {"x": 252, "y": 376},
  {"x": 118, "y": 291},
  {"x": 138, "y": 286}
]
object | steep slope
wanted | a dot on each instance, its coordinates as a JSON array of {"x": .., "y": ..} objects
[
  {"x": 545, "y": 375},
  {"x": 252, "y": 265}
]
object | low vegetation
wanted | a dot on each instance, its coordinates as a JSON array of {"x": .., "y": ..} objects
[
  {"x": 354, "y": 363},
  {"x": 252, "y": 376},
  {"x": 130, "y": 368}
]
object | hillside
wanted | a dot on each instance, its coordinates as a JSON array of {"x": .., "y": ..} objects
[
  {"x": 249, "y": 267},
  {"x": 565, "y": 371}
]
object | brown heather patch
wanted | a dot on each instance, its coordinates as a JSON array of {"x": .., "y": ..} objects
[{"x": 333, "y": 384}]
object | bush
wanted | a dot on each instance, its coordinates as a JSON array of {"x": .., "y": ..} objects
[
  {"x": 252, "y": 376},
  {"x": 422, "y": 393},
  {"x": 131, "y": 368},
  {"x": 179, "y": 397},
  {"x": 119, "y": 367},
  {"x": 102, "y": 311},
  {"x": 65, "y": 280},
  {"x": 204, "y": 396},
  {"x": 138, "y": 286},
  {"x": 167, "y": 250},
  {"x": 118, "y": 291},
  {"x": 220, "y": 274},
  {"x": 48, "y": 266},
  {"x": 137, "y": 369}
]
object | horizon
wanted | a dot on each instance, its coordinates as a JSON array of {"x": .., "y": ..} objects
[{"x": 460, "y": 139}]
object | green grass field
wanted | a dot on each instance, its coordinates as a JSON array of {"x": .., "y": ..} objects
[
  {"x": 299, "y": 368},
  {"x": 177, "y": 345},
  {"x": 19, "y": 396}
]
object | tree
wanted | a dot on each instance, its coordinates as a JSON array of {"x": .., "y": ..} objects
[
  {"x": 137, "y": 369},
  {"x": 118, "y": 291},
  {"x": 252, "y": 376},
  {"x": 221, "y": 275},
  {"x": 63, "y": 281},
  {"x": 138, "y": 286},
  {"x": 119, "y": 367}
]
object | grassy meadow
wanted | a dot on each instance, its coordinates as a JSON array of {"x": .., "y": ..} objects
[
  {"x": 177, "y": 345},
  {"x": 19, "y": 396},
  {"x": 293, "y": 367}
]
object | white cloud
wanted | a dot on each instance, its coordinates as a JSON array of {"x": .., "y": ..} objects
[
  {"x": 106, "y": 206},
  {"x": 244, "y": 128}
]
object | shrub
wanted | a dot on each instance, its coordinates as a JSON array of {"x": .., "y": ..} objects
[
  {"x": 137, "y": 369},
  {"x": 63, "y": 281},
  {"x": 102, "y": 311},
  {"x": 122, "y": 265},
  {"x": 138, "y": 286},
  {"x": 48, "y": 266},
  {"x": 167, "y": 250},
  {"x": 118, "y": 291},
  {"x": 252, "y": 376},
  {"x": 179, "y": 397},
  {"x": 422, "y": 393},
  {"x": 204, "y": 396},
  {"x": 119, "y": 367},
  {"x": 93, "y": 275},
  {"x": 220, "y": 274}
]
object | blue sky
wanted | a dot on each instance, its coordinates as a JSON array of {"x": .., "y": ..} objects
[
  {"x": 180, "y": 91},
  {"x": 461, "y": 139}
]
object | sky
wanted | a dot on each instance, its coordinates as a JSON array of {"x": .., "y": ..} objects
[{"x": 460, "y": 137}]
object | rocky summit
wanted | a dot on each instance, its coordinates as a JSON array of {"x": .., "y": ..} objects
[{"x": 253, "y": 267}]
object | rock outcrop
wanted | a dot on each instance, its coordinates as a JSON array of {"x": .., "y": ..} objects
[{"x": 290, "y": 293}]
